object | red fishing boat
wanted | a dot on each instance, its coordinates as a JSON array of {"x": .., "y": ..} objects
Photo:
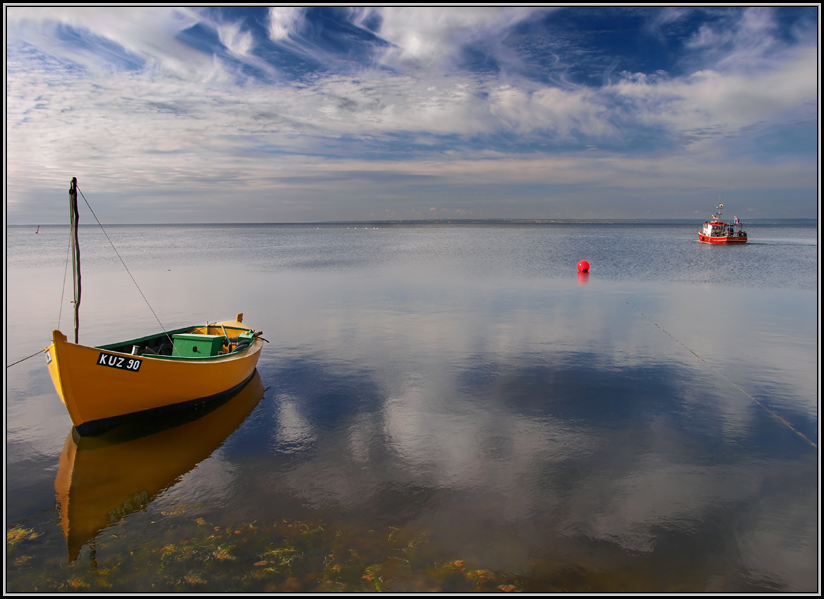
[{"x": 717, "y": 231}]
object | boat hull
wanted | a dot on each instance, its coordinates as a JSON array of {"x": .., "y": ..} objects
[
  {"x": 102, "y": 388},
  {"x": 721, "y": 240}
]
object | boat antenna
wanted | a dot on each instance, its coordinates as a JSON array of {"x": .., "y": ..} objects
[{"x": 75, "y": 215}]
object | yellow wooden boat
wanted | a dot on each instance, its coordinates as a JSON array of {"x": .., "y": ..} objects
[{"x": 104, "y": 386}]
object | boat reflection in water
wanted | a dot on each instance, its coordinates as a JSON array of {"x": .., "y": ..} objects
[{"x": 100, "y": 480}]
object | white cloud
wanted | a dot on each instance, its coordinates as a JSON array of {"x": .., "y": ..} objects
[
  {"x": 730, "y": 101},
  {"x": 236, "y": 40},
  {"x": 431, "y": 36},
  {"x": 147, "y": 32},
  {"x": 285, "y": 21},
  {"x": 743, "y": 42}
]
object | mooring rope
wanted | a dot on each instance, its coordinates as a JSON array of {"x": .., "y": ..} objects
[
  {"x": 37, "y": 353},
  {"x": 63, "y": 289},
  {"x": 60, "y": 311},
  {"x": 163, "y": 328},
  {"x": 725, "y": 377},
  {"x": 65, "y": 273}
]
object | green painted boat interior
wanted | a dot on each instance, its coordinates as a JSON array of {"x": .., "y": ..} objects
[{"x": 182, "y": 344}]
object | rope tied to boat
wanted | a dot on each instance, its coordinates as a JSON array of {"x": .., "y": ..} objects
[
  {"x": 37, "y": 353},
  {"x": 731, "y": 382},
  {"x": 75, "y": 186}
]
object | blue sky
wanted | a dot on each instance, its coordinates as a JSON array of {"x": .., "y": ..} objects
[{"x": 184, "y": 114}]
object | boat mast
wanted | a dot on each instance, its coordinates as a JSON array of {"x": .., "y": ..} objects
[{"x": 74, "y": 215}]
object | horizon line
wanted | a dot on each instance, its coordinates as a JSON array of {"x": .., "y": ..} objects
[{"x": 457, "y": 221}]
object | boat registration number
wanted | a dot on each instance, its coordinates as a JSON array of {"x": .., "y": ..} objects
[{"x": 120, "y": 362}]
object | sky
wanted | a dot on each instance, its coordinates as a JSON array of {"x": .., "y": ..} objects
[{"x": 175, "y": 114}]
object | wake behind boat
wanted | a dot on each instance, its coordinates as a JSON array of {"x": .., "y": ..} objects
[
  {"x": 717, "y": 231},
  {"x": 104, "y": 386}
]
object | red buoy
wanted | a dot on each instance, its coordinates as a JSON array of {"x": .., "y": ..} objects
[{"x": 583, "y": 266}]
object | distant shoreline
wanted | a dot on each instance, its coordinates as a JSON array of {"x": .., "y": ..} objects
[{"x": 491, "y": 221}]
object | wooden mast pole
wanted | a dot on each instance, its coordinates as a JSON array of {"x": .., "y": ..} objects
[{"x": 75, "y": 253}]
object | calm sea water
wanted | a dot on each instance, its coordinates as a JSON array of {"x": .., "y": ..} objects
[{"x": 439, "y": 407}]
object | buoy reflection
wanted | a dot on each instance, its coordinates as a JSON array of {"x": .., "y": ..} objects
[{"x": 101, "y": 480}]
